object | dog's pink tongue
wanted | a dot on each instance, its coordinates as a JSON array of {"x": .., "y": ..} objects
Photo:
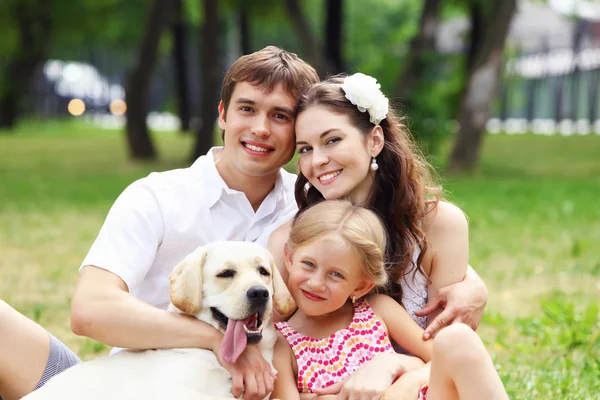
[{"x": 234, "y": 341}]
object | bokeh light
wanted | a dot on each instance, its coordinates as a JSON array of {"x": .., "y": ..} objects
[
  {"x": 117, "y": 107},
  {"x": 76, "y": 107}
]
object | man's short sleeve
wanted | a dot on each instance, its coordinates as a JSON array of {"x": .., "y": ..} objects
[{"x": 130, "y": 236}]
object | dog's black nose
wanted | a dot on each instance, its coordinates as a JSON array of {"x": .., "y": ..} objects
[{"x": 257, "y": 295}]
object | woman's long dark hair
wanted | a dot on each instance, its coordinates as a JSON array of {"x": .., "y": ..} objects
[{"x": 403, "y": 191}]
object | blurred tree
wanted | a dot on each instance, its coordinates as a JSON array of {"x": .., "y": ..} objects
[
  {"x": 312, "y": 49},
  {"x": 490, "y": 24},
  {"x": 334, "y": 34},
  {"x": 422, "y": 86},
  {"x": 422, "y": 48},
  {"x": 33, "y": 28},
  {"x": 244, "y": 27},
  {"x": 180, "y": 60},
  {"x": 310, "y": 44},
  {"x": 210, "y": 77},
  {"x": 137, "y": 87}
]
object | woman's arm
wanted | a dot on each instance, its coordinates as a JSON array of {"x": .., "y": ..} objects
[
  {"x": 400, "y": 326},
  {"x": 285, "y": 383},
  {"x": 447, "y": 232}
]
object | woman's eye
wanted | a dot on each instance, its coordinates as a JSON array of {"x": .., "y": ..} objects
[
  {"x": 303, "y": 150},
  {"x": 333, "y": 140}
]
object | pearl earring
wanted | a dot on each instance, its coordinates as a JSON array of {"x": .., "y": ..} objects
[
  {"x": 353, "y": 299},
  {"x": 374, "y": 166}
]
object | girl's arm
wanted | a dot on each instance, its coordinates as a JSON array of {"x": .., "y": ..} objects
[
  {"x": 401, "y": 327},
  {"x": 285, "y": 383},
  {"x": 408, "y": 385}
]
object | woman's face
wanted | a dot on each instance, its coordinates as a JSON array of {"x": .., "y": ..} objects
[{"x": 334, "y": 155}]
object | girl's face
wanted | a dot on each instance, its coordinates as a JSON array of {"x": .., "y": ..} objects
[
  {"x": 335, "y": 156},
  {"x": 323, "y": 275}
]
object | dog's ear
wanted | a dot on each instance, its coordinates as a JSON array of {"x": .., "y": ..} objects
[
  {"x": 283, "y": 302},
  {"x": 186, "y": 282}
]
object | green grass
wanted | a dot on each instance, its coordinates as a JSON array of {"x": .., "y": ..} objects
[{"x": 534, "y": 211}]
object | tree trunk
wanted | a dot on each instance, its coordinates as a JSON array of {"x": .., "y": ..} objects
[
  {"x": 481, "y": 86},
  {"x": 310, "y": 46},
  {"x": 180, "y": 60},
  {"x": 34, "y": 29},
  {"x": 420, "y": 46},
  {"x": 210, "y": 79},
  {"x": 137, "y": 90},
  {"x": 334, "y": 35},
  {"x": 244, "y": 20}
]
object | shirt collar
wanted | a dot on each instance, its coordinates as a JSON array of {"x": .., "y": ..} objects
[{"x": 218, "y": 187}]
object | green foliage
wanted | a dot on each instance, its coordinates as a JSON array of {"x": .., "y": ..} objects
[{"x": 553, "y": 355}]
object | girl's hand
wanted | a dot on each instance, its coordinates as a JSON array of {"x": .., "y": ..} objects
[
  {"x": 408, "y": 386},
  {"x": 372, "y": 379}
]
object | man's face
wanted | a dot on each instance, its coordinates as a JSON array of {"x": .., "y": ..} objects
[{"x": 259, "y": 131}]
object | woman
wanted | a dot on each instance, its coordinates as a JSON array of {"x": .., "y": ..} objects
[{"x": 352, "y": 145}]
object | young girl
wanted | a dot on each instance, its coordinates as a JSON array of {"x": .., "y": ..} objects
[{"x": 335, "y": 260}]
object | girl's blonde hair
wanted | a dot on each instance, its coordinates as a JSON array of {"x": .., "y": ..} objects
[{"x": 359, "y": 227}]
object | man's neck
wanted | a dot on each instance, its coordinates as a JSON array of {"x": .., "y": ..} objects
[{"x": 256, "y": 188}]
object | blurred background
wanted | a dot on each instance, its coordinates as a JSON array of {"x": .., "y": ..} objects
[{"x": 503, "y": 97}]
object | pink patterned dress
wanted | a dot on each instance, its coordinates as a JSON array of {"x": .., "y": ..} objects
[{"x": 324, "y": 362}]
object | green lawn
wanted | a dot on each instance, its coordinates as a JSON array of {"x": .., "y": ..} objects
[{"x": 534, "y": 211}]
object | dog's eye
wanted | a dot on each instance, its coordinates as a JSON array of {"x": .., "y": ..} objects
[
  {"x": 228, "y": 273},
  {"x": 263, "y": 271}
]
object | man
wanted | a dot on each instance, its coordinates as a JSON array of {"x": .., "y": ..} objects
[{"x": 238, "y": 192}]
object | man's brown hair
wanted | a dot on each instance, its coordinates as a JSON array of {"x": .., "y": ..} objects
[{"x": 268, "y": 68}]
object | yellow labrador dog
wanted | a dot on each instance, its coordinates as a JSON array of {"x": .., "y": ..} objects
[{"x": 231, "y": 285}]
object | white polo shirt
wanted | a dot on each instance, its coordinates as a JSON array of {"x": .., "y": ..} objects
[{"x": 160, "y": 219}]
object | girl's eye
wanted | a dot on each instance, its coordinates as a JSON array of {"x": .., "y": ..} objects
[
  {"x": 303, "y": 149},
  {"x": 337, "y": 275},
  {"x": 309, "y": 264},
  {"x": 333, "y": 140}
]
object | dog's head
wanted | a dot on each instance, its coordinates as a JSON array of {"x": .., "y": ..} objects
[{"x": 233, "y": 286}]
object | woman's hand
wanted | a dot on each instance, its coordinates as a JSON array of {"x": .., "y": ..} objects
[
  {"x": 372, "y": 379},
  {"x": 462, "y": 302},
  {"x": 408, "y": 386},
  {"x": 250, "y": 374}
]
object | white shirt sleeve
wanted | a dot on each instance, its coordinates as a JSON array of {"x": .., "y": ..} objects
[{"x": 130, "y": 236}]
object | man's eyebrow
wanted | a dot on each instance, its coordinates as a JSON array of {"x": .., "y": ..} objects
[
  {"x": 243, "y": 100},
  {"x": 287, "y": 110},
  {"x": 328, "y": 131}
]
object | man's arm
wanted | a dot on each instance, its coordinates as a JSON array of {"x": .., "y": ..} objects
[
  {"x": 103, "y": 309},
  {"x": 461, "y": 302}
]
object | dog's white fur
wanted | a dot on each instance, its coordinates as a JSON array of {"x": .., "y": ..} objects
[{"x": 184, "y": 373}]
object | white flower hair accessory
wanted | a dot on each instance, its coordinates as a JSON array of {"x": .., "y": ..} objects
[{"x": 364, "y": 92}]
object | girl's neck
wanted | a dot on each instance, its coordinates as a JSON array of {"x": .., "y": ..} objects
[{"x": 324, "y": 325}]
